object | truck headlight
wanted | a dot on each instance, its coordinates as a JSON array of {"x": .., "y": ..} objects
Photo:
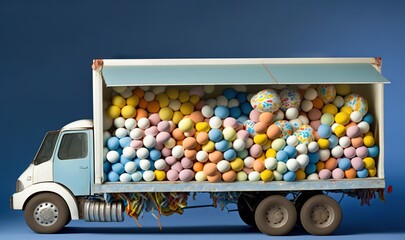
[{"x": 19, "y": 186}]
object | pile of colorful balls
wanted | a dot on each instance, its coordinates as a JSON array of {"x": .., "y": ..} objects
[{"x": 295, "y": 133}]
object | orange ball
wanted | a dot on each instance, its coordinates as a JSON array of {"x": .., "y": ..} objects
[
  {"x": 198, "y": 166},
  {"x": 273, "y": 132},
  {"x": 142, "y": 103},
  {"x": 357, "y": 142},
  {"x": 197, "y": 117},
  {"x": 215, "y": 156},
  {"x": 210, "y": 169},
  {"x": 190, "y": 153},
  {"x": 260, "y": 127},
  {"x": 320, "y": 166},
  {"x": 350, "y": 173},
  {"x": 317, "y": 103},
  {"x": 202, "y": 138},
  {"x": 178, "y": 134},
  {"x": 189, "y": 143},
  {"x": 258, "y": 165},
  {"x": 267, "y": 118},
  {"x": 331, "y": 163},
  {"x": 141, "y": 113},
  {"x": 139, "y": 93},
  {"x": 229, "y": 176},
  {"x": 214, "y": 178},
  {"x": 153, "y": 107}
]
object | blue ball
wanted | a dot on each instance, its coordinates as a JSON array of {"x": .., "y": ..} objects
[
  {"x": 242, "y": 118},
  {"x": 230, "y": 154},
  {"x": 119, "y": 151},
  {"x": 229, "y": 93},
  {"x": 125, "y": 141},
  {"x": 235, "y": 112},
  {"x": 124, "y": 160},
  {"x": 243, "y": 154},
  {"x": 362, "y": 173},
  {"x": 246, "y": 108},
  {"x": 223, "y": 145},
  {"x": 118, "y": 168},
  {"x": 137, "y": 162},
  {"x": 368, "y": 118},
  {"x": 313, "y": 157},
  {"x": 107, "y": 166},
  {"x": 289, "y": 176},
  {"x": 113, "y": 176},
  {"x": 113, "y": 143},
  {"x": 242, "y": 97},
  {"x": 221, "y": 112},
  {"x": 310, "y": 168},
  {"x": 282, "y": 156},
  {"x": 291, "y": 151},
  {"x": 324, "y": 131},
  {"x": 215, "y": 135},
  {"x": 333, "y": 141},
  {"x": 154, "y": 155},
  {"x": 344, "y": 164},
  {"x": 373, "y": 151}
]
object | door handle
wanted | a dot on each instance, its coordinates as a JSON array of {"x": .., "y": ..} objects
[{"x": 83, "y": 166}]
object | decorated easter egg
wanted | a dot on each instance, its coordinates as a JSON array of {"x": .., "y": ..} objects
[
  {"x": 266, "y": 100},
  {"x": 326, "y": 92},
  {"x": 357, "y": 103},
  {"x": 286, "y": 128},
  {"x": 305, "y": 134},
  {"x": 290, "y": 98}
]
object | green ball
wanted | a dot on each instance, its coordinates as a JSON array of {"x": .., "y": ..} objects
[
  {"x": 278, "y": 144},
  {"x": 328, "y": 119}
]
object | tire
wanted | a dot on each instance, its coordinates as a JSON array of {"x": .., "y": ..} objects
[
  {"x": 300, "y": 201},
  {"x": 245, "y": 213},
  {"x": 46, "y": 213},
  {"x": 321, "y": 215},
  {"x": 275, "y": 215}
]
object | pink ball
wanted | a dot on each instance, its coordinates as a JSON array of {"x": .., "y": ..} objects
[
  {"x": 163, "y": 137},
  {"x": 357, "y": 163},
  {"x": 172, "y": 175},
  {"x": 247, "y": 170},
  {"x": 159, "y": 146},
  {"x": 186, "y": 175},
  {"x": 349, "y": 152},
  {"x": 177, "y": 166},
  {"x": 353, "y": 131},
  {"x": 254, "y": 115},
  {"x": 170, "y": 160},
  {"x": 154, "y": 119},
  {"x": 163, "y": 126},
  {"x": 172, "y": 126},
  {"x": 200, "y": 105},
  {"x": 315, "y": 124},
  {"x": 242, "y": 134},
  {"x": 314, "y": 114},
  {"x": 197, "y": 90},
  {"x": 362, "y": 152},
  {"x": 230, "y": 122},
  {"x": 338, "y": 173},
  {"x": 166, "y": 152},
  {"x": 256, "y": 150},
  {"x": 137, "y": 144},
  {"x": 325, "y": 174},
  {"x": 186, "y": 163},
  {"x": 153, "y": 130}
]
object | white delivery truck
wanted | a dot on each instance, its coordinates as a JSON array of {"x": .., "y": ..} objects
[{"x": 66, "y": 181}]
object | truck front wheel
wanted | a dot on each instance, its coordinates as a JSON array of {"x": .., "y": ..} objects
[{"x": 46, "y": 213}]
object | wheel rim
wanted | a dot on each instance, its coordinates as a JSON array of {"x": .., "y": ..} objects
[
  {"x": 322, "y": 215},
  {"x": 276, "y": 216},
  {"x": 46, "y": 214}
]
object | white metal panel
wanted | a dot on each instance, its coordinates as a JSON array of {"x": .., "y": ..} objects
[
  {"x": 79, "y": 124},
  {"x": 43, "y": 172},
  {"x": 98, "y": 126}
]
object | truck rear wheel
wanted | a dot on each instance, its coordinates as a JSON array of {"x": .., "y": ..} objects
[
  {"x": 275, "y": 215},
  {"x": 246, "y": 210},
  {"x": 321, "y": 215},
  {"x": 46, "y": 213}
]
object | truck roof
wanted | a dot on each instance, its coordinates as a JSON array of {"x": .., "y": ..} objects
[{"x": 79, "y": 124}]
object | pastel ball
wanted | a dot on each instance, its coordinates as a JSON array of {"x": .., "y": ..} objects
[
  {"x": 121, "y": 132},
  {"x": 113, "y": 156},
  {"x": 310, "y": 94},
  {"x": 160, "y": 164},
  {"x": 223, "y": 166},
  {"x": 221, "y": 112},
  {"x": 256, "y": 150},
  {"x": 327, "y": 119},
  {"x": 172, "y": 175},
  {"x": 289, "y": 176},
  {"x": 128, "y": 152},
  {"x": 239, "y": 145},
  {"x": 292, "y": 141},
  {"x": 136, "y": 176},
  {"x": 338, "y": 101},
  {"x": 344, "y": 142},
  {"x": 290, "y": 150},
  {"x": 291, "y": 113},
  {"x": 143, "y": 123},
  {"x": 229, "y": 154},
  {"x": 119, "y": 122},
  {"x": 148, "y": 176},
  {"x": 327, "y": 92},
  {"x": 154, "y": 154},
  {"x": 144, "y": 164},
  {"x": 277, "y": 176},
  {"x": 281, "y": 167},
  {"x": 149, "y": 141},
  {"x": 338, "y": 173},
  {"x": 162, "y": 137},
  {"x": 301, "y": 148},
  {"x": 357, "y": 163},
  {"x": 215, "y": 122},
  {"x": 292, "y": 164},
  {"x": 113, "y": 143},
  {"x": 369, "y": 162},
  {"x": 325, "y": 174},
  {"x": 254, "y": 176},
  {"x": 362, "y": 173},
  {"x": 337, "y": 151},
  {"x": 349, "y": 152},
  {"x": 200, "y": 176},
  {"x": 249, "y": 162},
  {"x": 368, "y": 118},
  {"x": 178, "y": 151},
  {"x": 362, "y": 152},
  {"x": 324, "y": 131},
  {"x": 186, "y": 175},
  {"x": 356, "y": 116},
  {"x": 186, "y": 124},
  {"x": 118, "y": 168},
  {"x": 241, "y": 176},
  {"x": 136, "y": 133},
  {"x": 125, "y": 177},
  {"x": 202, "y": 156},
  {"x": 310, "y": 168},
  {"x": 369, "y": 141},
  {"x": 324, "y": 154},
  {"x": 306, "y": 105},
  {"x": 278, "y": 144},
  {"x": 237, "y": 164},
  {"x": 344, "y": 163},
  {"x": 246, "y": 108},
  {"x": 270, "y": 163},
  {"x": 302, "y": 160},
  {"x": 313, "y": 147},
  {"x": 353, "y": 131},
  {"x": 373, "y": 151},
  {"x": 313, "y": 157},
  {"x": 113, "y": 176},
  {"x": 142, "y": 153}
]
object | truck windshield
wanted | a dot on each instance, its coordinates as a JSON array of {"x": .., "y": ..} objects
[{"x": 46, "y": 150}]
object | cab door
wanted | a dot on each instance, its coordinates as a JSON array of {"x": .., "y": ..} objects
[{"x": 72, "y": 161}]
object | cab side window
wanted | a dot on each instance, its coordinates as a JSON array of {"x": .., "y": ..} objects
[{"x": 73, "y": 146}]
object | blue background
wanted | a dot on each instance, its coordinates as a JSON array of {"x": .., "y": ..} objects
[{"x": 46, "y": 51}]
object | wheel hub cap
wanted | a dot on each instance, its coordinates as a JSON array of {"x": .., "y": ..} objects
[
  {"x": 320, "y": 215},
  {"x": 46, "y": 214}
]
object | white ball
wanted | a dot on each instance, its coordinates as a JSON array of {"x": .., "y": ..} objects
[
  {"x": 215, "y": 122},
  {"x": 211, "y": 103},
  {"x": 338, "y": 101},
  {"x": 223, "y": 166},
  {"x": 113, "y": 156},
  {"x": 222, "y": 101},
  {"x": 149, "y": 96},
  {"x": 174, "y": 104},
  {"x": 239, "y": 145},
  {"x": 119, "y": 89},
  {"x": 337, "y": 152},
  {"x": 125, "y": 177},
  {"x": 291, "y": 113},
  {"x": 145, "y": 88},
  {"x": 158, "y": 89},
  {"x": 160, "y": 164},
  {"x": 302, "y": 148},
  {"x": 209, "y": 89},
  {"x": 313, "y": 147},
  {"x": 144, "y": 164},
  {"x": 178, "y": 151},
  {"x": 293, "y": 164},
  {"x": 148, "y": 176},
  {"x": 270, "y": 163},
  {"x": 254, "y": 176},
  {"x": 106, "y": 136},
  {"x": 149, "y": 141},
  {"x": 136, "y": 133},
  {"x": 304, "y": 119},
  {"x": 121, "y": 132},
  {"x": 310, "y": 94},
  {"x": 356, "y": 116},
  {"x": 142, "y": 153},
  {"x": 126, "y": 93},
  {"x": 364, "y": 126},
  {"x": 136, "y": 176},
  {"x": 292, "y": 140},
  {"x": 130, "y": 167},
  {"x": 248, "y": 162},
  {"x": 279, "y": 115},
  {"x": 130, "y": 124},
  {"x": 200, "y": 176},
  {"x": 143, "y": 123},
  {"x": 303, "y": 86},
  {"x": 303, "y": 160},
  {"x": 170, "y": 143},
  {"x": 324, "y": 154},
  {"x": 281, "y": 167},
  {"x": 306, "y": 105},
  {"x": 313, "y": 176},
  {"x": 105, "y": 151},
  {"x": 233, "y": 103},
  {"x": 277, "y": 176},
  {"x": 241, "y": 176},
  {"x": 202, "y": 156},
  {"x": 129, "y": 152},
  {"x": 119, "y": 122},
  {"x": 207, "y": 111},
  {"x": 344, "y": 141}
]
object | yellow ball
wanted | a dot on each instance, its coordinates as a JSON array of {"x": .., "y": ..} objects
[
  {"x": 202, "y": 127},
  {"x": 300, "y": 174},
  {"x": 133, "y": 100},
  {"x": 346, "y": 109},
  {"x": 186, "y": 124},
  {"x": 209, "y": 146},
  {"x": 330, "y": 108},
  {"x": 260, "y": 139},
  {"x": 166, "y": 114},
  {"x": 342, "y": 118},
  {"x": 323, "y": 143},
  {"x": 369, "y": 134},
  {"x": 177, "y": 116},
  {"x": 237, "y": 164},
  {"x": 368, "y": 141},
  {"x": 319, "y": 166},
  {"x": 160, "y": 175},
  {"x": 342, "y": 89},
  {"x": 118, "y": 101},
  {"x": 163, "y": 100},
  {"x": 266, "y": 175},
  {"x": 172, "y": 92},
  {"x": 372, "y": 172},
  {"x": 113, "y": 111},
  {"x": 183, "y": 96},
  {"x": 369, "y": 163},
  {"x": 340, "y": 131},
  {"x": 128, "y": 111},
  {"x": 194, "y": 99},
  {"x": 187, "y": 108},
  {"x": 271, "y": 153}
]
